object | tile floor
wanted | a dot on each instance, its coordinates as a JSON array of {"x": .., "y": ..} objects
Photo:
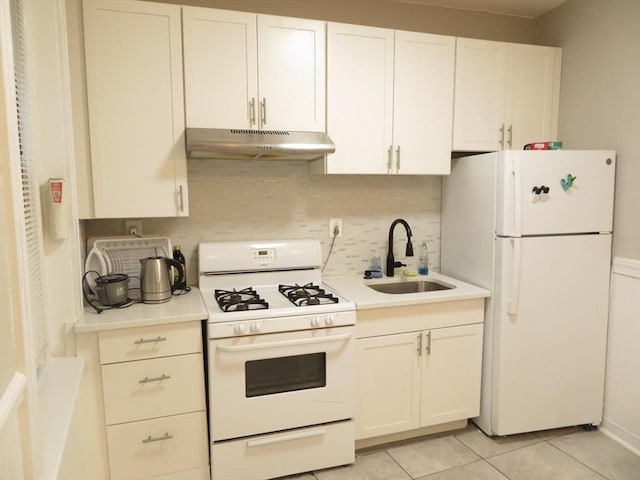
[{"x": 468, "y": 454}]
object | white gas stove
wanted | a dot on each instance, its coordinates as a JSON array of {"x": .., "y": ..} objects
[
  {"x": 267, "y": 287},
  {"x": 281, "y": 360}
]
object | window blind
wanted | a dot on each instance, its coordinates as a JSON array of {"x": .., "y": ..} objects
[{"x": 31, "y": 219}]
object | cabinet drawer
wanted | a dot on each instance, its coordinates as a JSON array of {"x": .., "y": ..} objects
[
  {"x": 158, "y": 446},
  {"x": 149, "y": 342},
  {"x": 153, "y": 388}
]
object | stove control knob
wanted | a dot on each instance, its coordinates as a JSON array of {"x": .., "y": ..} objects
[
  {"x": 330, "y": 320},
  {"x": 256, "y": 327},
  {"x": 240, "y": 329},
  {"x": 315, "y": 322}
]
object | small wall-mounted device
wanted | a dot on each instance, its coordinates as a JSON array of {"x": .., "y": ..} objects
[{"x": 56, "y": 209}]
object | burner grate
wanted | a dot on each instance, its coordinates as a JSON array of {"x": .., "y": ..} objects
[
  {"x": 239, "y": 300},
  {"x": 306, "y": 295}
]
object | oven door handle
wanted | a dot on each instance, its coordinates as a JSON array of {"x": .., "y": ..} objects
[
  {"x": 318, "y": 432},
  {"x": 284, "y": 343}
]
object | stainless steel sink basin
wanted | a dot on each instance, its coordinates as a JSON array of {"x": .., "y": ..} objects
[{"x": 410, "y": 287}]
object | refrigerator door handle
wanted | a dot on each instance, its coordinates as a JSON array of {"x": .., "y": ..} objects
[
  {"x": 512, "y": 306},
  {"x": 517, "y": 193}
]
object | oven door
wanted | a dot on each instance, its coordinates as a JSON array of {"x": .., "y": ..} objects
[{"x": 266, "y": 383}]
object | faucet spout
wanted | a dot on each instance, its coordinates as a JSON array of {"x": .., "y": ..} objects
[{"x": 391, "y": 261}]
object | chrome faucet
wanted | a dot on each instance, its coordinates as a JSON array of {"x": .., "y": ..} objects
[{"x": 391, "y": 261}]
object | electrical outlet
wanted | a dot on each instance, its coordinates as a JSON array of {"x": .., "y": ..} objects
[
  {"x": 335, "y": 223},
  {"x": 133, "y": 227}
]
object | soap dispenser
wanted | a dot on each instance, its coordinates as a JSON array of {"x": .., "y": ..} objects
[{"x": 423, "y": 265}]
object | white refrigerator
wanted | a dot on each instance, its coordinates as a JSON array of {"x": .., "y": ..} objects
[{"x": 534, "y": 227}]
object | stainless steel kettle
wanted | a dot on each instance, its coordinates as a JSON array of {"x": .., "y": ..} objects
[{"x": 155, "y": 279}]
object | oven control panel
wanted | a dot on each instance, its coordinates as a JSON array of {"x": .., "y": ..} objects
[
  {"x": 280, "y": 324},
  {"x": 263, "y": 256}
]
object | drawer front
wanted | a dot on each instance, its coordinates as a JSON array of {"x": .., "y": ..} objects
[
  {"x": 273, "y": 455},
  {"x": 128, "y": 344},
  {"x": 153, "y": 388},
  {"x": 158, "y": 447}
]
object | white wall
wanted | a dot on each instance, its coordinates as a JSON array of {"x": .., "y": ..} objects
[
  {"x": 600, "y": 95},
  {"x": 600, "y": 108}
]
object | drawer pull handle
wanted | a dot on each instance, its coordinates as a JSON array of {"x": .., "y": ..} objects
[
  {"x": 150, "y": 439},
  {"x": 155, "y": 379},
  {"x": 318, "y": 432},
  {"x": 150, "y": 340}
]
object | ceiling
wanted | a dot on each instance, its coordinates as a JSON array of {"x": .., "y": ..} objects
[{"x": 518, "y": 8}]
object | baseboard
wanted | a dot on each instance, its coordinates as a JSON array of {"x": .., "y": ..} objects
[{"x": 620, "y": 435}]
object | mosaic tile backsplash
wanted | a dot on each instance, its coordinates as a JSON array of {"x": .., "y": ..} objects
[{"x": 264, "y": 200}]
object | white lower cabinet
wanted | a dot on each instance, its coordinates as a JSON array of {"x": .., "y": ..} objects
[
  {"x": 154, "y": 402},
  {"x": 417, "y": 378}
]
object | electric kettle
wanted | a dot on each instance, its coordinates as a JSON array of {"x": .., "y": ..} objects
[{"x": 155, "y": 279}]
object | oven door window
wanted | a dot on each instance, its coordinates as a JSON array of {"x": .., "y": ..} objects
[{"x": 285, "y": 374}]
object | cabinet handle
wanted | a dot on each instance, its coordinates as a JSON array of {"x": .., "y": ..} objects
[
  {"x": 252, "y": 111},
  {"x": 502, "y": 136},
  {"x": 151, "y": 340},
  {"x": 263, "y": 109},
  {"x": 155, "y": 379},
  {"x": 389, "y": 158},
  {"x": 398, "y": 159},
  {"x": 510, "y": 130},
  {"x": 428, "y": 349},
  {"x": 420, "y": 344},
  {"x": 181, "y": 198},
  {"x": 150, "y": 439}
]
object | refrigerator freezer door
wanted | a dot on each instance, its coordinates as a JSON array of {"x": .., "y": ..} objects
[
  {"x": 549, "y": 352},
  {"x": 555, "y": 192}
]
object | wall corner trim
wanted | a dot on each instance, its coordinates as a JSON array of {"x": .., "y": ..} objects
[{"x": 626, "y": 266}]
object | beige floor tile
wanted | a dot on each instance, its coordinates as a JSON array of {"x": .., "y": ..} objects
[
  {"x": 304, "y": 476},
  {"x": 557, "y": 432},
  {"x": 479, "y": 470},
  {"x": 541, "y": 462},
  {"x": 375, "y": 466},
  {"x": 491, "y": 446},
  {"x": 601, "y": 454},
  {"x": 432, "y": 455}
]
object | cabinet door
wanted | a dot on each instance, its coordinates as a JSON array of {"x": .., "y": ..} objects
[
  {"x": 220, "y": 68},
  {"x": 359, "y": 98},
  {"x": 423, "y": 103},
  {"x": 479, "y": 96},
  {"x": 533, "y": 80},
  {"x": 136, "y": 115},
  {"x": 388, "y": 384},
  {"x": 291, "y": 69},
  {"x": 451, "y": 374}
]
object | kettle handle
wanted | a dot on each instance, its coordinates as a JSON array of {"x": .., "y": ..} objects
[{"x": 178, "y": 266}]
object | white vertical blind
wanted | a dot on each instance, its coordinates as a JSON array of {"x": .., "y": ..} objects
[{"x": 30, "y": 214}]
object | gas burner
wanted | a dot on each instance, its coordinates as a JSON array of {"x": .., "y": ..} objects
[
  {"x": 305, "y": 295},
  {"x": 239, "y": 300}
]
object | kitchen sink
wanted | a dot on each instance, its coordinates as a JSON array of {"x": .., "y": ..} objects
[{"x": 410, "y": 287}]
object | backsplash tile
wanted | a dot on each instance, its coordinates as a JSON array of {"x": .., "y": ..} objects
[{"x": 263, "y": 200}]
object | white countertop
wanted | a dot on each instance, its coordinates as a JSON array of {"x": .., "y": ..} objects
[
  {"x": 356, "y": 289},
  {"x": 181, "y": 308}
]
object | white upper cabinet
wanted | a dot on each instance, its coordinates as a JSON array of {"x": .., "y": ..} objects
[
  {"x": 423, "y": 103},
  {"x": 136, "y": 110},
  {"x": 250, "y": 71},
  {"x": 359, "y": 98},
  {"x": 506, "y": 95},
  {"x": 389, "y": 100}
]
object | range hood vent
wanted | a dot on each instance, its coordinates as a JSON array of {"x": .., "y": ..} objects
[{"x": 232, "y": 144}]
